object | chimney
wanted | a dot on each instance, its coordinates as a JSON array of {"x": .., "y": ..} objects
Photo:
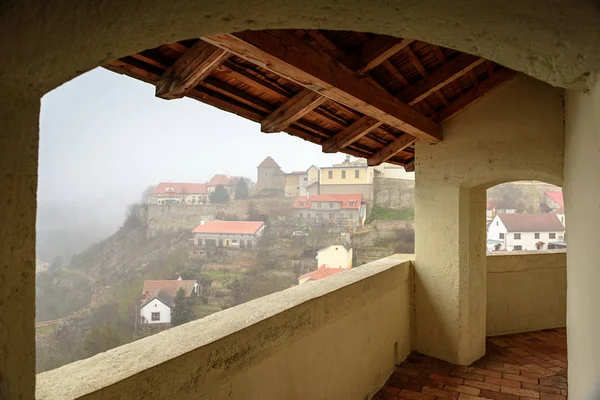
[{"x": 202, "y": 222}]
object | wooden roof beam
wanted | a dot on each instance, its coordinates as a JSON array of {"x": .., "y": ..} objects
[
  {"x": 391, "y": 150},
  {"x": 350, "y": 134},
  {"x": 289, "y": 56},
  {"x": 439, "y": 78},
  {"x": 375, "y": 52},
  {"x": 291, "y": 111},
  {"x": 410, "y": 167},
  {"x": 193, "y": 66},
  {"x": 458, "y": 105}
]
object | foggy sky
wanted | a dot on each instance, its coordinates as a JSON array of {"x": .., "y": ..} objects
[{"x": 105, "y": 135}]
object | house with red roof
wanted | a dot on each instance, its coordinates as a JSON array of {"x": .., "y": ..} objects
[
  {"x": 158, "y": 298},
  {"x": 179, "y": 193},
  {"x": 232, "y": 234},
  {"x": 514, "y": 232},
  {"x": 340, "y": 209},
  {"x": 227, "y": 182},
  {"x": 320, "y": 273},
  {"x": 554, "y": 203}
]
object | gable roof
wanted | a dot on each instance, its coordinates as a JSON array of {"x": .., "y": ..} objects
[
  {"x": 531, "y": 222},
  {"x": 151, "y": 289},
  {"x": 220, "y": 179},
  {"x": 268, "y": 163},
  {"x": 163, "y": 296},
  {"x": 345, "y": 200},
  {"x": 245, "y": 227},
  {"x": 320, "y": 273},
  {"x": 171, "y": 188},
  {"x": 557, "y": 197},
  {"x": 337, "y": 242}
]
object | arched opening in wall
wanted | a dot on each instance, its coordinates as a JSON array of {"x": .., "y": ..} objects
[{"x": 526, "y": 258}]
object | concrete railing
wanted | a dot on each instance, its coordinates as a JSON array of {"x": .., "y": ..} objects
[
  {"x": 337, "y": 338},
  {"x": 526, "y": 291}
]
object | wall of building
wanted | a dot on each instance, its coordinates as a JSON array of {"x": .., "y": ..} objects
[
  {"x": 394, "y": 193},
  {"x": 515, "y": 132},
  {"x": 526, "y": 291},
  {"x": 366, "y": 190},
  {"x": 365, "y": 176},
  {"x": 337, "y": 338},
  {"x": 153, "y": 307},
  {"x": 335, "y": 256},
  {"x": 581, "y": 192}
]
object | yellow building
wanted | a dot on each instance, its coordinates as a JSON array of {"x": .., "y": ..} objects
[{"x": 349, "y": 177}]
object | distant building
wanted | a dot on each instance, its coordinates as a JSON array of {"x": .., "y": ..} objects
[
  {"x": 348, "y": 177},
  {"x": 497, "y": 207},
  {"x": 41, "y": 266},
  {"x": 269, "y": 175},
  {"x": 296, "y": 183},
  {"x": 554, "y": 203},
  {"x": 234, "y": 234},
  {"x": 319, "y": 273},
  {"x": 525, "y": 232},
  {"x": 158, "y": 296},
  {"x": 337, "y": 255},
  {"x": 179, "y": 193},
  {"x": 340, "y": 209},
  {"x": 227, "y": 182}
]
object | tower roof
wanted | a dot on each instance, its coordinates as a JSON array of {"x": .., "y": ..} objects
[{"x": 268, "y": 163}]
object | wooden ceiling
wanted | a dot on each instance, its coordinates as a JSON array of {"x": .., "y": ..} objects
[{"x": 364, "y": 94}]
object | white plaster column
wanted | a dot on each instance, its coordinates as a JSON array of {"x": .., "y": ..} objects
[
  {"x": 19, "y": 118},
  {"x": 582, "y": 202}
]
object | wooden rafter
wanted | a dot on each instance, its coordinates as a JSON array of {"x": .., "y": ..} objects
[
  {"x": 461, "y": 103},
  {"x": 375, "y": 52},
  {"x": 289, "y": 56},
  {"x": 391, "y": 150},
  {"x": 440, "y": 78},
  {"x": 414, "y": 60},
  {"x": 194, "y": 65},
  {"x": 410, "y": 167},
  {"x": 350, "y": 134},
  {"x": 291, "y": 111},
  {"x": 395, "y": 73}
]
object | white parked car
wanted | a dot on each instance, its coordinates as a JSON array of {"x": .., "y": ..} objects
[{"x": 299, "y": 233}]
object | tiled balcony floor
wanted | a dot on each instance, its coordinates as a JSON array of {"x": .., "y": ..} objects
[{"x": 522, "y": 366}]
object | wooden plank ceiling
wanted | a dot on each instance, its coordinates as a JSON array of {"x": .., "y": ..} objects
[{"x": 367, "y": 95}]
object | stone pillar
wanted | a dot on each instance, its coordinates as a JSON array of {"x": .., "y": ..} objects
[
  {"x": 515, "y": 132},
  {"x": 450, "y": 293},
  {"x": 582, "y": 202},
  {"x": 19, "y": 119}
]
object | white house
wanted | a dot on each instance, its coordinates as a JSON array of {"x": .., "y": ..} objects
[
  {"x": 555, "y": 203},
  {"x": 524, "y": 231},
  {"x": 158, "y": 296},
  {"x": 236, "y": 234},
  {"x": 179, "y": 193},
  {"x": 338, "y": 255}
]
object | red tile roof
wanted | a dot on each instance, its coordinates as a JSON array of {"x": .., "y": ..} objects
[
  {"x": 170, "y": 188},
  {"x": 320, "y": 273},
  {"x": 220, "y": 179},
  {"x": 268, "y": 163},
  {"x": 152, "y": 288},
  {"x": 344, "y": 199},
  {"x": 531, "y": 222},
  {"x": 245, "y": 227},
  {"x": 557, "y": 197}
]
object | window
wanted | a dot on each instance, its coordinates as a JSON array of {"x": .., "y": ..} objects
[
  {"x": 351, "y": 203},
  {"x": 496, "y": 223},
  {"x": 501, "y": 235},
  {"x": 357, "y": 174},
  {"x": 517, "y": 248},
  {"x": 300, "y": 204},
  {"x": 330, "y": 205},
  {"x": 308, "y": 215},
  {"x": 318, "y": 205},
  {"x": 234, "y": 241},
  {"x": 331, "y": 216},
  {"x": 155, "y": 316},
  {"x": 305, "y": 179},
  {"x": 552, "y": 235},
  {"x": 536, "y": 235},
  {"x": 517, "y": 236},
  {"x": 341, "y": 215},
  {"x": 344, "y": 174},
  {"x": 330, "y": 174}
]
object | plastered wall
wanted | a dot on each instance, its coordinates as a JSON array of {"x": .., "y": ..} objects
[
  {"x": 338, "y": 338},
  {"x": 526, "y": 291},
  {"x": 582, "y": 203},
  {"x": 515, "y": 132}
]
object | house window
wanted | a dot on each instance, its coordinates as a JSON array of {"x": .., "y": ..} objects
[
  {"x": 300, "y": 204},
  {"x": 318, "y": 205},
  {"x": 331, "y": 216},
  {"x": 496, "y": 223},
  {"x": 341, "y": 215},
  {"x": 330, "y": 205},
  {"x": 343, "y": 174},
  {"x": 305, "y": 179},
  {"x": 330, "y": 174},
  {"x": 536, "y": 235},
  {"x": 155, "y": 316},
  {"x": 308, "y": 215},
  {"x": 234, "y": 241},
  {"x": 516, "y": 248},
  {"x": 351, "y": 203},
  {"x": 517, "y": 236},
  {"x": 552, "y": 235},
  {"x": 357, "y": 174},
  {"x": 501, "y": 235}
]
